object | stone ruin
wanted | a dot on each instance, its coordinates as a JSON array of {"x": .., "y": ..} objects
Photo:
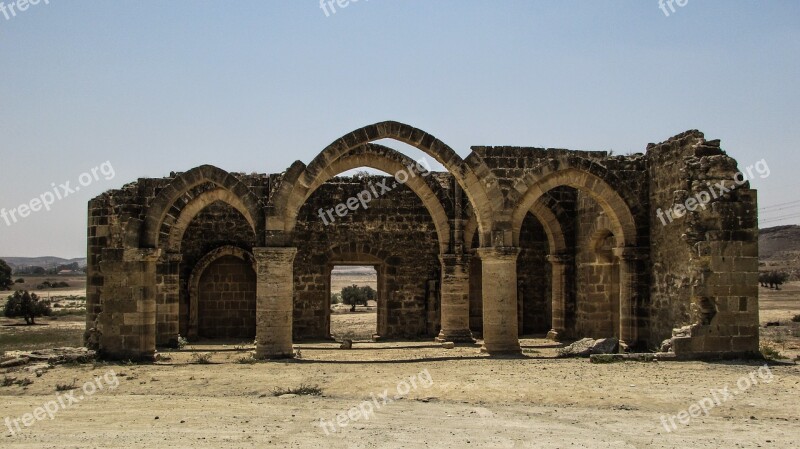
[{"x": 507, "y": 242}]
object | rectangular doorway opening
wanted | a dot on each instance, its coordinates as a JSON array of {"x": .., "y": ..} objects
[{"x": 354, "y": 302}]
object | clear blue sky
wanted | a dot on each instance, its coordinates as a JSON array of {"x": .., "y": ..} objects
[{"x": 155, "y": 86}]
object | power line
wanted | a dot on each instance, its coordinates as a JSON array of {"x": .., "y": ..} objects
[
  {"x": 779, "y": 204},
  {"x": 774, "y": 219},
  {"x": 779, "y": 209}
]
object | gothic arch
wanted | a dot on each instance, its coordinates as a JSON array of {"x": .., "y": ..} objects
[
  {"x": 197, "y": 274},
  {"x": 621, "y": 220},
  {"x": 474, "y": 177},
  {"x": 164, "y": 208},
  {"x": 380, "y": 158}
]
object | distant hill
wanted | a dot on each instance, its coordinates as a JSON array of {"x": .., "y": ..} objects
[
  {"x": 44, "y": 262},
  {"x": 779, "y": 249}
]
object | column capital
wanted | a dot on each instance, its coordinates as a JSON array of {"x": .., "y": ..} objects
[
  {"x": 499, "y": 253},
  {"x": 275, "y": 254}
]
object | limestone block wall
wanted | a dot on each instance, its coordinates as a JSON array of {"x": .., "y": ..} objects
[
  {"x": 533, "y": 276},
  {"x": 597, "y": 273},
  {"x": 559, "y": 230},
  {"x": 216, "y": 226},
  {"x": 705, "y": 263},
  {"x": 227, "y": 300},
  {"x": 396, "y": 233}
]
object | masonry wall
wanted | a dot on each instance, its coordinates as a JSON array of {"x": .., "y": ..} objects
[
  {"x": 227, "y": 300},
  {"x": 396, "y": 232},
  {"x": 705, "y": 264},
  {"x": 695, "y": 276},
  {"x": 597, "y": 273},
  {"x": 533, "y": 276},
  {"x": 217, "y": 225}
]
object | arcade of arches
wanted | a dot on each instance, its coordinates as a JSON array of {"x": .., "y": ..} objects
[{"x": 508, "y": 241}]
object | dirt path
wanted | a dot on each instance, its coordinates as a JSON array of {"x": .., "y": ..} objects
[{"x": 471, "y": 400}]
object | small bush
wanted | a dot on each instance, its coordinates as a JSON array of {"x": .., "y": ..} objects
[
  {"x": 8, "y": 381},
  {"x": 202, "y": 359},
  {"x": 796, "y": 319},
  {"x": 19, "y": 281},
  {"x": 246, "y": 360},
  {"x": 302, "y": 390},
  {"x": 770, "y": 352},
  {"x": 26, "y": 305},
  {"x": 66, "y": 387},
  {"x": 182, "y": 342}
]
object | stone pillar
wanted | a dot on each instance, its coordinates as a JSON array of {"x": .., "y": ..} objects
[
  {"x": 559, "y": 264},
  {"x": 499, "y": 273},
  {"x": 127, "y": 324},
  {"x": 275, "y": 302},
  {"x": 455, "y": 299},
  {"x": 628, "y": 296},
  {"x": 168, "y": 306}
]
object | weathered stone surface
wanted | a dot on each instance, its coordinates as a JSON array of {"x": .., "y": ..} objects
[
  {"x": 593, "y": 252},
  {"x": 588, "y": 346},
  {"x": 56, "y": 356}
]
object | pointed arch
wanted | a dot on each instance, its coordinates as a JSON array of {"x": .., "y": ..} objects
[
  {"x": 620, "y": 217},
  {"x": 475, "y": 178},
  {"x": 165, "y": 209},
  {"x": 380, "y": 158}
]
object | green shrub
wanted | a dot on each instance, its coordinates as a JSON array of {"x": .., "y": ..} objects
[
  {"x": 202, "y": 359},
  {"x": 26, "y": 305},
  {"x": 771, "y": 352},
  {"x": 796, "y": 318}
]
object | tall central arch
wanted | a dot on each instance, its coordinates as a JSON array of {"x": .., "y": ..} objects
[{"x": 477, "y": 182}]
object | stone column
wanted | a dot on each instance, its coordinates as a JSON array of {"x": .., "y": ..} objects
[
  {"x": 499, "y": 273},
  {"x": 455, "y": 299},
  {"x": 127, "y": 324},
  {"x": 559, "y": 264},
  {"x": 168, "y": 306},
  {"x": 628, "y": 296},
  {"x": 275, "y": 302}
]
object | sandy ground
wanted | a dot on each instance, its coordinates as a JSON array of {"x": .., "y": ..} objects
[
  {"x": 355, "y": 326},
  {"x": 471, "y": 400},
  {"x": 461, "y": 399}
]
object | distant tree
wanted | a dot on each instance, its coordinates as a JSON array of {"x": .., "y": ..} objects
[
  {"x": 20, "y": 281},
  {"x": 763, "y": 279},
  {"x": 336, "y": 298},
  {"x": 5, "y": 276},
  {"x": 355, "y": 295},
  {"x": 26, "y": 305},
  {"x": 31, "y": 270},
  {"x": 773, "y": 279},
  {"x": 778, "y": 278}
]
